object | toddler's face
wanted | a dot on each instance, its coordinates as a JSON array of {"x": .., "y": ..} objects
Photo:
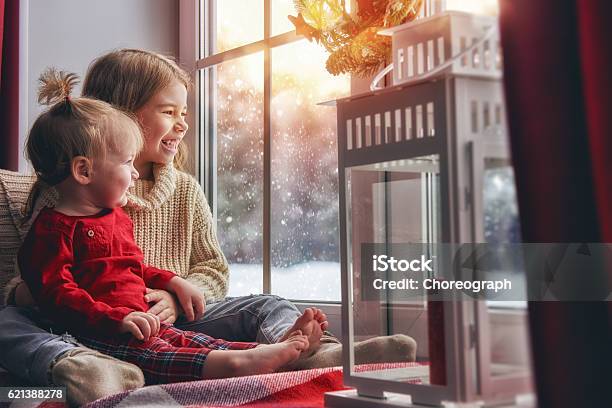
[
  {"x": 112, "y": 177},
  {"x": 163, "y": 123}
]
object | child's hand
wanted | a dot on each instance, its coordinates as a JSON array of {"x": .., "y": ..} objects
[
  {"x": 141, "y": 325},
  {"x": 165, "y": 306},
  {"x": 189, "y": 296}
]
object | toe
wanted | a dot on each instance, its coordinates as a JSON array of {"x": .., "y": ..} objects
[
  {"x": 303, "y": 320},
  {"x": 309, "y": 314}
]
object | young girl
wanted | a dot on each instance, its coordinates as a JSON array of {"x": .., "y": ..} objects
[
  {"x": 174, "y": 227},
  {"x": 81, "y": 262}
]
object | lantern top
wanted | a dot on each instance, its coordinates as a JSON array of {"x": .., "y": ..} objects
[{"x": 425, "y": 20}]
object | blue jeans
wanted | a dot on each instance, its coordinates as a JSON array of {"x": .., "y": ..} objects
[
  {"x": 28, "y": 351},
  {"x": 258, "y": 318}
]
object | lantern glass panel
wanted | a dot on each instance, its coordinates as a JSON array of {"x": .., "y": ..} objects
[
  {"x": 393, "y": 202},
  {"x": 508, "y": 338}
]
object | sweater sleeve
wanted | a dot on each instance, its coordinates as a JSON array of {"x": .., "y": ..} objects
[
  {"x": 208, "y": 268},
  {"x": 45, "y": 261}
]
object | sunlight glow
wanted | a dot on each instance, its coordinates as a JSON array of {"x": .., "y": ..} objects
[
  {"x": 239, "y": 22},
  {"x": 488, "y": 7}
]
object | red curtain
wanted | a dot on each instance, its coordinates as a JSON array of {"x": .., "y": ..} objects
[
  {"x": 557, "y": 65},
  {"x": 1, "y": 29},
  {"x": 596, "y": 57},
  {"x": 9, "y": 84}
]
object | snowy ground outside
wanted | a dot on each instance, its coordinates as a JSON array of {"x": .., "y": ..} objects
[{"x": 305, "y": 281}]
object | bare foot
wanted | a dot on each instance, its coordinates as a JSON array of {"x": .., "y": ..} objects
[
  {"x": 321, "y": 318},
  {"x": 263, "y": 359},
  {"x": 311, "y": 323}
]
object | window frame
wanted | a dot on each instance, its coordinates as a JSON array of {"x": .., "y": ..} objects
[{"x": 197, "y": 54}]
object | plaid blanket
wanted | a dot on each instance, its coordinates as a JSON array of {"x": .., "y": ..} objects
[
  {"x": 295, "y": 389},
  {"x": 223, "y": 392}
]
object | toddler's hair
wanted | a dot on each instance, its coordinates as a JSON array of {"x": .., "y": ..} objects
[
  {"x": 128, "y": 78},
  {"x": 73, "y": 127}
]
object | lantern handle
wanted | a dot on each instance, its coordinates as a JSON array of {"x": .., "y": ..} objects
[{"x": 374, "y": 86}]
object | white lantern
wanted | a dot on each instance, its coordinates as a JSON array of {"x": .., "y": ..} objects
[{"x": 417, "y": 162}]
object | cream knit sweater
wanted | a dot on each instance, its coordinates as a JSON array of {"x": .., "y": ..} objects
[{"x": 174, "y": 228}]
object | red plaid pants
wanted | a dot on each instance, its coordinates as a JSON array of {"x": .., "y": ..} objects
[{"x": 172, "y": 356}]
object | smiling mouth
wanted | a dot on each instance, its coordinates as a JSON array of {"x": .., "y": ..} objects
[{"x": 171, "y": 143}]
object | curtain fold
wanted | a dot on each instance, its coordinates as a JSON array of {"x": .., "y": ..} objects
[
  {"x": 596, "y": 57},
  {"x": 9, "y": 84},
  {"x": 557, "y": 59}
]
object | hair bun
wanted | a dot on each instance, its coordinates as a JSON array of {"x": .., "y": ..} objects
[{"x": 55, "y": 86}]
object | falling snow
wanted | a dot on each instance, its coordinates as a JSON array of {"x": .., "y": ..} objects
[{"x": 304, "y": 173}]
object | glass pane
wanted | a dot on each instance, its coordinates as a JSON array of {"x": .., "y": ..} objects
[
  {"x": 390, "y": 203},
  {"x": 509, "y": 350},
  {"x": 502, "y": 227},
  {"x": 239, "y": 22},
  {"x": 304, "y": 222},
  {"x": 501, "y": 221},
  {"x": 240, "y": 170},
  {"x": 280, "y": 10}
]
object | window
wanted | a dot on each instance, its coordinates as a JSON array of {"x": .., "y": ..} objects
[{"x": 268, "y": 153}]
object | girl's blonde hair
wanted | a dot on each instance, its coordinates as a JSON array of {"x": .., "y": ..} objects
[
  {"x": 128, "y": 78},
  {"x": 73, "y": 127}
]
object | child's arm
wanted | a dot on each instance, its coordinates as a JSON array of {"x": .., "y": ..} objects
[
  {"x": 156, "y": 278},
  {"x": 208, "y": 268},
  {"x": 45, "y": 260},
  {"x": 189, "y": 296},
  {"x": 165, "y": 304}
]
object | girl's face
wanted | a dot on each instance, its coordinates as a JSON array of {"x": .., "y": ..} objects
[{"x": 163, "y": 124}]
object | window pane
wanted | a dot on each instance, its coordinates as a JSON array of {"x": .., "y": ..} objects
[
  {"x": 501, "y": 220},
  {"x": 240, "y": 170},
  {"x": 501, "y": 226},
  {"x": 509, "y": 339},
  {"x": 280, "y": 10},
  {"x": 304, "y": 240},
  {"x": 239, "y": 22}
]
